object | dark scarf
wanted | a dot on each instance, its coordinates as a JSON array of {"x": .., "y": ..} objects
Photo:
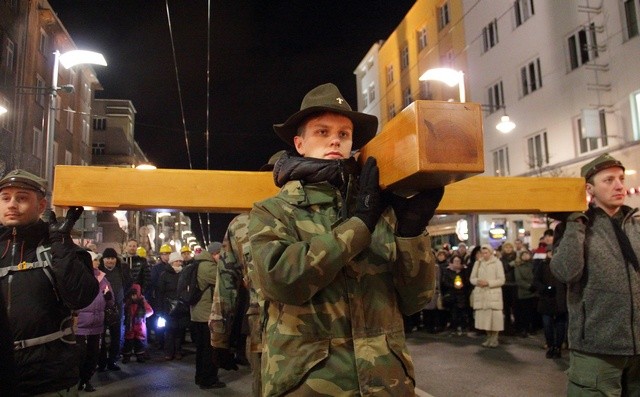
[
  {"x": 625, "y": 245},
  {"x": 309, "y": 170},
  {"x": 339, "y": 173}
]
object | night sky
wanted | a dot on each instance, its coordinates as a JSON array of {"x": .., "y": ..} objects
[{"x": 265, "y": 55}]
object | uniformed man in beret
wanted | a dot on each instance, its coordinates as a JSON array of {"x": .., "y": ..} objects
[
  {"x": 339, "y": 262},
  {"x": 43, "y": 277},
  {"x": 597, "y": 257}
]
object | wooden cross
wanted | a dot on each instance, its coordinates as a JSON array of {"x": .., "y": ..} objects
[{"x": 429, "y": 143}]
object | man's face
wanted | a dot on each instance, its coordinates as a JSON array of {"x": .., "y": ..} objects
[
  {"x": 109, "y": 262},
  {"x": 518, "y": 244},
  {"x": 164, "y": 257},
  {"x": 607, "y": 189},
  {"x": 186, "y": 255},
  {"x": 132, "y": 246},
  {"x": 328, "y": 136},
  {"x": 216, "y": 256},
  {"x": 19, "y": 206}
]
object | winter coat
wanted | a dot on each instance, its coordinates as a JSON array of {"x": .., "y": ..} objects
[
  {"x": 523, "y": 273},
  {"x": 136, "y": 311},
  {"x": 167, "y": 290},
  {"x": 206, "y": 277},
  {"x": 336, "y": 292},
  {"x": 156, "y": 271},
  {"x": 37, "y": 308},
  {"x": 552, "y": 293},
  {"x": 139, "y": 270},
  {"x": 91, "y": 318},
  {"x": 487, "y": 297},
  {"x": 452, "y": 296},
  {"x": 603, "y": 291}
]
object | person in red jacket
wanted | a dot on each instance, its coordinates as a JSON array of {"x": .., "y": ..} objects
[{"x": 136, "y": 311}]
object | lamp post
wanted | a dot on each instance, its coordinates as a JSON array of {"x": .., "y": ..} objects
[
  {"x": 68, "y": 60},
  {"x": 448, "y": 76}
]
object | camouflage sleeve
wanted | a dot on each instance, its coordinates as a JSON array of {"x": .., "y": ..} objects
[
  {"x": 414, "y": 273},
  {"x": 222, "y": 309},
  {"x": 291, "y": 270}
]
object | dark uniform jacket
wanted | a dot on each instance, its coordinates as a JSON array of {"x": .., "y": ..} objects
[{"x": 38, "y": 305}]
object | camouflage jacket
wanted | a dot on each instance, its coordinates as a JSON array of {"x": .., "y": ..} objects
[
  {"x": 336, "y": 295},
  {"x": 233, "y": 271}
]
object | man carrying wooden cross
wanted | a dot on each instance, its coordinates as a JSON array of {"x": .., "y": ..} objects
[{"x": 339, "y": 261}]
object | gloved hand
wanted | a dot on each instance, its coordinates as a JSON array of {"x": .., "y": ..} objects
[
  {"x": 62, "y": 231},
  {"x": 223, "y": 358},
  {"x": 414, "y": 213},
  {"x": 108, "y": 295},
  {"x": 369, "y": 203}
]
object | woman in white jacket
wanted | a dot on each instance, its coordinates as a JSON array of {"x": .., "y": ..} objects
[{"x": 488, "y": 278}]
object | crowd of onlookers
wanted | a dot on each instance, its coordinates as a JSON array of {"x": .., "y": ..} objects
[{"x": 526, "y": 297}]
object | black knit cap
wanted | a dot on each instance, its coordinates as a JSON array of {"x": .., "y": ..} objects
[
  {"x": 109, "y": 253},
  {"x": 327, "y": 98},
  {"x": 24, "y": 179}
]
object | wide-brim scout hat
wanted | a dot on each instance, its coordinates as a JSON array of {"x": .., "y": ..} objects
[
  {"x": 25, "y": 180},
  {"x": 327, "y": 98},
  {"x": 600, "y": 163}
]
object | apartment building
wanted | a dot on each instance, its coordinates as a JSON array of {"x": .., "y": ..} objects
[
  {"x": 30, "y": 33},
  {"x": 564, "y": 72}
]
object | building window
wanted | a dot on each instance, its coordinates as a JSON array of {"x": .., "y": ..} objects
[
  {"x": 68, "y": 159},
  {"x": 70, "y": 113},
  {"x": 421, "y": 38},
  {"x": 531, "y": 77},
  {"x": 523, "y": 10},
  {"x": 404, "y": 58},
  {"x": 85, "y": 132},
  {"x": 365, "y": 98},
  {"x": 389, "y": 74},
  {"x": 97, "y": 148},
  {"x": 41, "y": 90},
  {"x": 36, "y": 147},
  {"x": 496, "y": 97},
  {"x": 42, "y": 44},
  {"x": 490, "y": 35},
  {"x": 588, "y": 141},
  {"x": 631, "y": 18},
  {"x": 443, "y": 15},
  {"x": 99, "y": 123},
  {"x": 501, "y": 162},
  {"x": 538, "y": 150},
  {"x": 372, "y": 93},
  {"x": 406, "y": 97},
  {"x": 9, "y": 52},
  {"x": 583, "y": 46},
  {"x": 391, "y": 110}
]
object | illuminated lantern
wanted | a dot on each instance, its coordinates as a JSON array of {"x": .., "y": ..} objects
[{"x": 457, "y": 282}]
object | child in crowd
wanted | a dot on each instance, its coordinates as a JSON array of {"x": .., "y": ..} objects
[{"x": 136, "y": 311}]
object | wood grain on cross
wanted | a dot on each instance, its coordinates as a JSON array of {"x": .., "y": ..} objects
[{"x": 429, "y": 143}]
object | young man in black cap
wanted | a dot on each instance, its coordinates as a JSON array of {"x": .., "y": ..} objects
[
  {"x": 43, "y": 276},
  {"x": 338, "y": 264},
  {"x": 597, "y": 257}
]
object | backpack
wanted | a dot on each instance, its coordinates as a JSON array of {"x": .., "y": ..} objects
[{"x": 188, "y": 291}]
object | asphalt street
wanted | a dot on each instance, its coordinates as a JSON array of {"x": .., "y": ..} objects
[{"x": 446, "y": 366}]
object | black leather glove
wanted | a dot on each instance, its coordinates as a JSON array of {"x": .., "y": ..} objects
[
  {"x": 414, "y": 213},
  {"x": 223, "y": 358},
  {"x": 369, "y": 203},
  {"x": 62, "y": 231}
]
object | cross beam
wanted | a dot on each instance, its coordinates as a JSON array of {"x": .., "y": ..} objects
[{"x": 111, "y": 188}]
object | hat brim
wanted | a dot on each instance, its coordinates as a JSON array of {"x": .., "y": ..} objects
[
  {"x": 25, "y": 185},
  {"x": 365, "y": 125}
]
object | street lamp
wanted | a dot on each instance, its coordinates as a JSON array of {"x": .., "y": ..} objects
[
  {"x": 448, "y": 76},
  {"x": 68, "y": 60}
]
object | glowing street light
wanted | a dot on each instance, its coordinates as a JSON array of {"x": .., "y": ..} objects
[
  {"x": 448, "y": 76},
  {"x": 505, "y": 125},
  {"x": 68, "y": 60}
]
